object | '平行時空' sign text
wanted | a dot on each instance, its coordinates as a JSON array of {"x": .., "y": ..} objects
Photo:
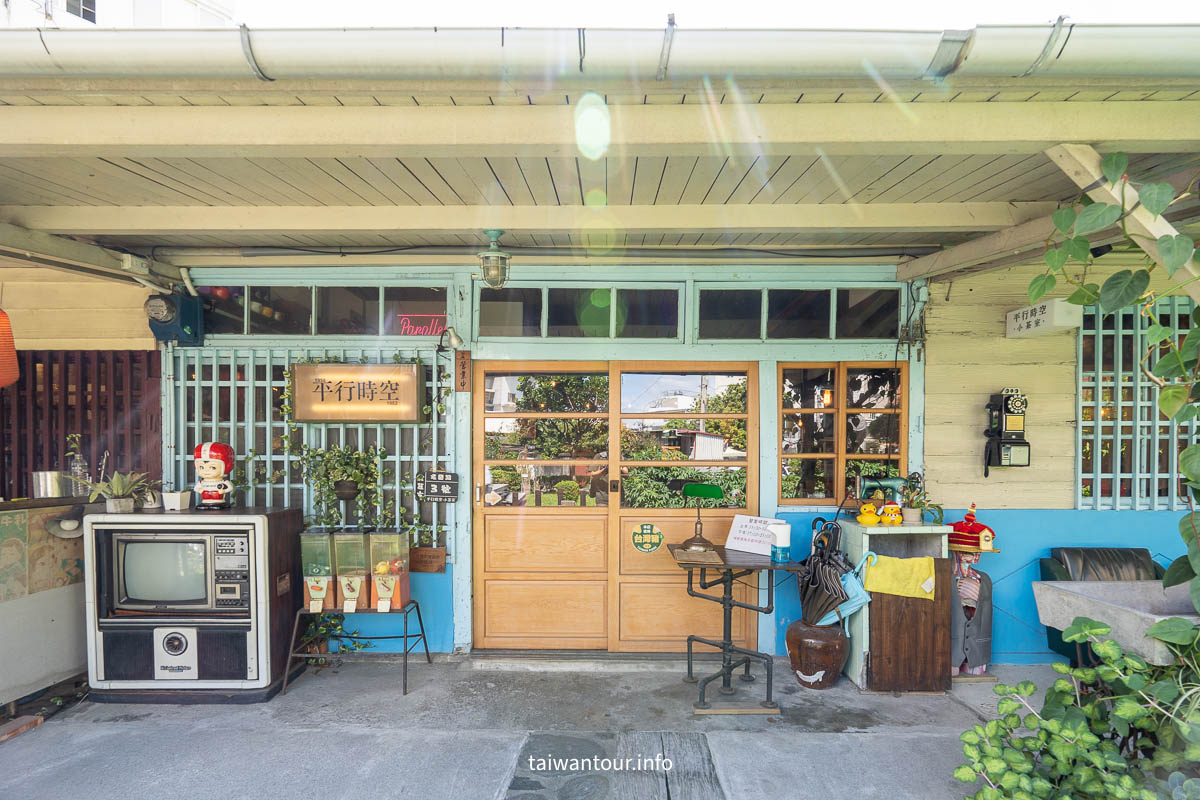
[
  {"x": 1040, "y": 319},
  {"x": 356, "y": 393}
]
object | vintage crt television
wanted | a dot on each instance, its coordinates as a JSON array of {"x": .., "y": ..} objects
[{"x": 190, "y": 606}]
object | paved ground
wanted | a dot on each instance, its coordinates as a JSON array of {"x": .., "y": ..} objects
[{"x": 469, "y": 727}]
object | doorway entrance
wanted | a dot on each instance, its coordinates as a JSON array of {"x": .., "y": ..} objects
[{"x": 573, "y": 463}]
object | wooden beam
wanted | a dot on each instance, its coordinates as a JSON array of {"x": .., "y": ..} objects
[
  {"x": 873, "y": 217},
  {"x": 551, "y": 131},
  {"x": 57, "y": 252},
  {"x": 1081, "y": 163}
]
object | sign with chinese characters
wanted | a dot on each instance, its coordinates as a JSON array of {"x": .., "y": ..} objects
[
  {"x": 356, "y": 393},
  {"x": 1043, "y": 318},
  {"x": 647, "y": 537},
  {"x": 462, "y": 370},
  {"x": 751, "y": 535},
  {"x": 437, "y": 487}
]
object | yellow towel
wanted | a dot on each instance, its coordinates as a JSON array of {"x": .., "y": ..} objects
[{"x": 907, "y": 577}]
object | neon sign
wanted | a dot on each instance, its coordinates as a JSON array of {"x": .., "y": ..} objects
[{"x": 420, "y": 324}]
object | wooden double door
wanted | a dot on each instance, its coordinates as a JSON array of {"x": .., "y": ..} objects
[{"x": 573, "y": 470}]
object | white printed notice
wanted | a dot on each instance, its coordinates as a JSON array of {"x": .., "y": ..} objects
[{"x": 751, "y": 535}]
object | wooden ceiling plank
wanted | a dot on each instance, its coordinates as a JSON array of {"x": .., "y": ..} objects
[
  {"x": 337, "y": 169},
  {"x": 620, "y": 173},
  {"x": 29, "y": 190},
  {"x": 975, "y": 168},
  {"x": 69, "y": 178},
  {"x": 929, "y": 177},
  {"x": 820, "y": 97},
  {"x": 565, "y": 174},
  {"x": 216, "y": 183},
  {"x": 433, "y": 181},
  {"x": 19, "y": 100},
  {"x": 912, "y": 171},
  {"x": 787, "y": 174},
  {"x": 994, "y": 174},
  {"x": 664, "y": 98},
  {"x": 401, "y": 175},
  {"x": 854, "y": 186},
  {"x": 191, "y": 189},
  {"x": 819, "y": 181},
  {"x": 761, "y": 172},
  {"x": 127, "y": 183},
  {"x": 648, "y": 180},
  {"x": 512, "y": 180},
  {"x": 434, "y": 100},
  {"x": 357, "y": 100},
  {"x": 675, "y": 179},
  {"x": 459, "y": 183},
  {"x": 1037, "y": 182},
  {"x": 366, "y": 170},
  {"x": 319, "y": 100},
  {"x": 705, "y": 173},
  {"x": 204, "y": 100},
  {"x": 593, "y": 176},
  {"x": 537, "y": 177},
  {"x": 549, "y": 99},
  {"x": 280, "y": 177},
  {"x": 394, "y": 99},
  {"x": 485, "y": 181}
]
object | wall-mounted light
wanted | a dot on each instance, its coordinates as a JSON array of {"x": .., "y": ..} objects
[
  {"x": 456, "y": 341},
  {"x": 494, "y": 261}
]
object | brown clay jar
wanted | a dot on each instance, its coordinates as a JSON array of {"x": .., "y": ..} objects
[{"x": 817, "y": 652}]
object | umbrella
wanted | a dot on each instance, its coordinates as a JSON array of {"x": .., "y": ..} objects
[{"x": 822, "y": 590}]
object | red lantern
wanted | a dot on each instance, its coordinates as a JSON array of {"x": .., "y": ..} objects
[{"x": 10, "y": 371}]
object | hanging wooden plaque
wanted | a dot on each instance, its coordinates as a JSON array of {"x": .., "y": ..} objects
[
  {"x": 356, "y": 393},
  {"x": 462, "y": 370}
]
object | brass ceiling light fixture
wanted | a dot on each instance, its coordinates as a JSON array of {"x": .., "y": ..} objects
[{"x": 494, "y": 261}]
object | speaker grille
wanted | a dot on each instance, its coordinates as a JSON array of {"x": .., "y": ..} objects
[
  {"x": 221, "y": 655},
  {"x": 128, "y": 655}
]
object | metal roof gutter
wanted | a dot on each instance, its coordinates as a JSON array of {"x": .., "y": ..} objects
[{"x": 583, "y": 54}]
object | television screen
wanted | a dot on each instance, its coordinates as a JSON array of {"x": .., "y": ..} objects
[{"x": 165, "y": 572}]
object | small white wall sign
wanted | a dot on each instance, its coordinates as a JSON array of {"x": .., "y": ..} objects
[
  {"x": 1042, "y": 318},
  {"x": 751, "y": 535}
]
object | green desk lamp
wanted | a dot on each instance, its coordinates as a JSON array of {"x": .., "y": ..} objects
[{"x": 699, "y": 490}]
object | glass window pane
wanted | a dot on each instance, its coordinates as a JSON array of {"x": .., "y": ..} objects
[
  {"x": 810, "y": 387},
  {"x": 578, "y": 312},
  {"x": 280, "y": 309},
  {"x": 647, "y": 313},
  {"x": 352, "y": 310},
  {"x": 807, "y": 478},
  {"x": 577, "y": 393},
  {"x": 868, "y": 313},
  {"x": 809, "y": 433},
  {"x": 224, "y": 308},
  {"x": 649, "y": 487},
  {"x": 650, "y": 392},
  {"x": 872, "y": 388},
  {"x": 870, "y": 469},
  {"x": 730, "y": 314},
  {"x": 512, "y": 438},
  {"x": 873, "y": 433},
  {"x": 797, "y": 314},
  {"x": 582, "y": 486},
  {"x": 510, "y": 312},
  {"x": 683, "y": 440},
  {"x": 414, "y": 311}
]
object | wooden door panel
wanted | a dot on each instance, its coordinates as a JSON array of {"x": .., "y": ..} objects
[
  {"x": 550, "y": 544},
  {"x": 659, "y": 616},
  {"x": 521, "y": 610},
  {"x": 674, "y": 529}
]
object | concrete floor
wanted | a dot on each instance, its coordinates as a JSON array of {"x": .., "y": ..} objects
[{"x": 349, "y": 733}]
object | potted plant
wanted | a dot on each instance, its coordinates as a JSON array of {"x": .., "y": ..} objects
[
  {"x": 173, "y": 500},
  {"x": 121, "y": 491},
  {"x": 342, "y": 473},
  {"x": 916, "y": 504}
]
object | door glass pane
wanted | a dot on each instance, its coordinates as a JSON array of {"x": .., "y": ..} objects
[
  {"x": 224, "y": 308},
  {"x": 578, "y": 312},
  {"x": 730, "y": 314},
  {"x": 873, "y": 433},
  {"x": 809, "y": 433},
  {"x": 510, "y": 312},
  {"x": 810, "y": 387},
  {"x": 578, "y": 393},
  {"x": 582, "y": 486},
  {"x": 414, "y": 311},
  {"x": 868, "y": 313},
  {"x": 712, "y": 393},
  {"x": 280, "y": 309},
  {"x": 350, "y": 310},
  {"x": 797, "y": 314},
  {"x": 807, "y": 478},
  {"x": 649, "y": 487},
  {"x": 523, "y": 438},
  {"x": 647, "y": 313},
  {"x": 683, "y": 440},
  {"x": 872, "y": 388}
]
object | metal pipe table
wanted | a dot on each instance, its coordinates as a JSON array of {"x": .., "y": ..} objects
[{"x": 733, "y": 565}]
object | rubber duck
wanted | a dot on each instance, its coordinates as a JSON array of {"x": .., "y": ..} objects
[
  {"x": 867, "y": 515},
  {"x": 891, "y": 514}
]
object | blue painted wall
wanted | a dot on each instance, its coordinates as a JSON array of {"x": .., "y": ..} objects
[
  {"x": 1023, "y": 537},
  {"x": 432, "y": 591}
]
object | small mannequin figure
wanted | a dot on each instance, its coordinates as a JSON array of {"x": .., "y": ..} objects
[
  {"x": 971, "y": 611},
  {"x": 214, "y": 462}
]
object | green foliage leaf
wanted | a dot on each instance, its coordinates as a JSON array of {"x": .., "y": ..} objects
[
  {"x": 1040, "y": 286},
  {"x": 1155, "y": 197},
  {"x": 1156, "y": 333},
  {"x": 1096, "y": 217},
  {"x": 1164, "y": 691},
  {"x": 1082, "y": 629},
  {"x": 1078, "y": 248},
  {"x": 1063, "y": 219},
  {"x": 971, "y": 752},
  {"x": 1056, "y": 258},
  {"x": 1171, "y": 399},
  {"x": 1085, "y": 295},
  {"x": 1113, "y": 167},
  {"x": 1061, "y": 667},
  {"x": 965, "y": 774},
  {"x": 1107, "y": 649},
  {"x": 1179, "y": 572},
  {"x": 1122, "y": 288},
  {"x": 1175, "y": 251},
  {"x": 969, "y": 737},
  {"x": 1172, "y": 365},
  {"x": 1189, "y": 465},
  {"x": 1007, "y": 705},
  {"x": 1026, "y": 688}
]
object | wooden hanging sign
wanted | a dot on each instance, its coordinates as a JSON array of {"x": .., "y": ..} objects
[
  {"x": 462, "y": 370},
  {"x": 356, "y": 393}
]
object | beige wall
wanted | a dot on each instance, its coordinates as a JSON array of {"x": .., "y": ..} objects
[
  {"x": 969, "y": 358},
  {"x": 55, "y": 310}
]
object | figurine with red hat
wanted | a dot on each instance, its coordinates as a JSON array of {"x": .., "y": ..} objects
[
  {"x": 214, "y": 463},
  {"x": 971, "y": 614}
]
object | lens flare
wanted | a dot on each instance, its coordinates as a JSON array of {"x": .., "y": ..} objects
[
  {"x": 593, "y": 127},
  {"x": 886, "y": 88},
  {"x": 595, "y": 198}
]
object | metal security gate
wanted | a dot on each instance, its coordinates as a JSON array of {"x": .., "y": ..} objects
[
  {"x": 236, "y": 395},
  {"x": 110, "y": 398}
]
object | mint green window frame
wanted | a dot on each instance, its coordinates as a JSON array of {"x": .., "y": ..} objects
[{"x": 614, "y": 289}]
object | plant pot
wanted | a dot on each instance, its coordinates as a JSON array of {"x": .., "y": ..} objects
[
  {"x": 120, "y": 505},
  {"x": 911, "y": 516},
  {"x": 817, "y": 653},
  {"x": 176, "y": 501},
  {"x": 345, "y": 490}
]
